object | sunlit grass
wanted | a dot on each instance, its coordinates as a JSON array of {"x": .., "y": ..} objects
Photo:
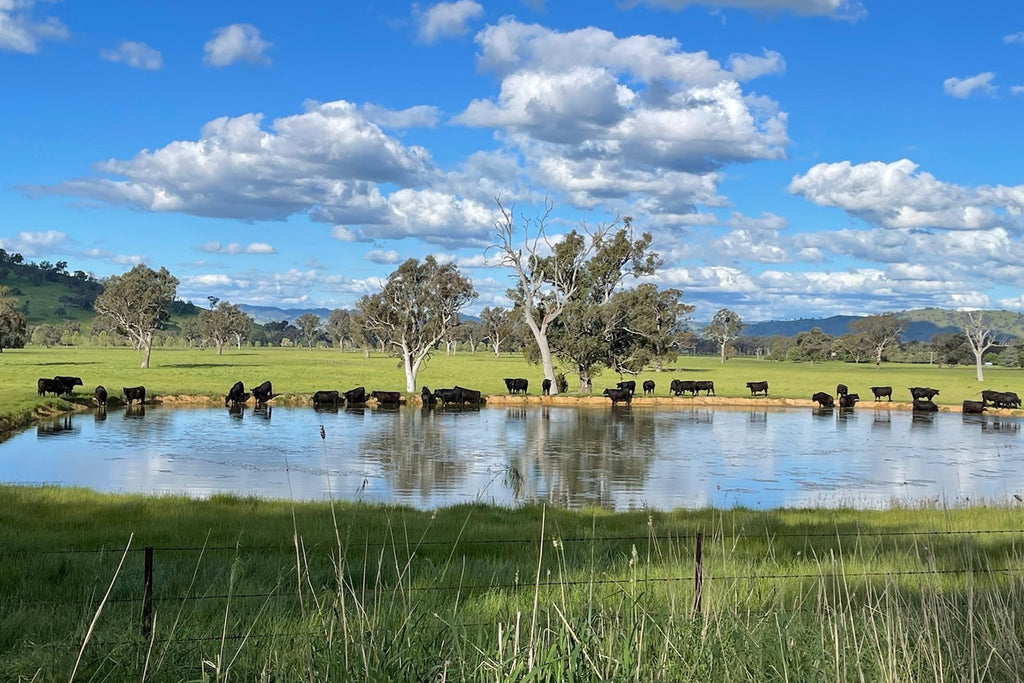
[{"x": 271, "y": 589}]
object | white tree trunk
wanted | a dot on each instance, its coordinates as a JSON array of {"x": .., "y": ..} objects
[{"x": 147, "y": 348}]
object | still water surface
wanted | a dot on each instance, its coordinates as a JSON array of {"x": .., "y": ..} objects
[{"x": 573, "y": 457}]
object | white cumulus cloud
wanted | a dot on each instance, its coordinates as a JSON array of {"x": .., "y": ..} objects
[
  {"x": 20, "y": 32},
  {"x": 236, "y": 43},
  {"x": 897, "y": 195},
  {"x": 446, "y": 19},
  {"x": 136, "y": 55},
  {"x": 30, "y": 244},
  {"x": 635, "y": 119},
  {"x": 962, "y": 88},
  {"x": 1017, "y": 37}
]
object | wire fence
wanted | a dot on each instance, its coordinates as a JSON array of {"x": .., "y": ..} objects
[{"x": 701, "y": 569}]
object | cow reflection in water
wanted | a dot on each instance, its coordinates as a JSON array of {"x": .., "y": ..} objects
[
  {"x": 236, "y": 410},
  {"x": 58, "y": 426},
  {"x": 998, "y": 425},
  {"x": 882, "y": 420},
  {"x": 515, "y": 413},
  {"x": 134, "y": 411},
  {"x": 262, "y": 410},
  {"x": 758, "y": 419},
  {"x": 100, "y": 414},
  {"x": 922, "y": 419}
]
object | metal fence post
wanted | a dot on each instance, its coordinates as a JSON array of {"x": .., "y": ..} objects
[
  {"x": 698, "y": 573},
  {"x": 147, "y": 594}
]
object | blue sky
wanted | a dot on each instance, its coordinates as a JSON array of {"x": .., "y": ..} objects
[{"x": 792, "y": 158}]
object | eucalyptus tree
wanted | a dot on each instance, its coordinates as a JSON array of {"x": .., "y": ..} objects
[
  {"x": 498, "y": 327},
  {"x": 551, "y": 273},
  {"x": 814, "y": 344},
  {"x": 339, "y": 327},
  {"x": 135, "y": 304},
  {"x": 723, "y": 328},
  {"x": 13, "y": 323},
  {"x": 309, "y": 325},
  {"x": 584, "y": 335},
  {"x": 416, "y": 307},
  {"x": 222, "y": 323},
  {"x": 978, "y": 329},
  {"x": 649, "y": 330},
  {"x": 879, "y": 331}
]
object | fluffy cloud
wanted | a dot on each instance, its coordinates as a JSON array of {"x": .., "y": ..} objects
[
  {"x": 962, "y": 88},
  {"x": 19, "y": 32},
  {"x": 446, "y": 19},
  {"x": 383, "y": 257},
  {"x": 236, "y": 248},
  {"x": 632, "y": 119},
  {"x": 236, "y": 43},
  {"x": 1014, "y": 38},
  {"x": 1017, "y": 89},
  {"x": 329, "y": 157},
  {"x": 289, "y": 288},
  {"x": 135, "y": 55},
  {"x": 849, "y": 10},
  {"x": 896, "y": 195},
  {"x": 31, "y": 244}
]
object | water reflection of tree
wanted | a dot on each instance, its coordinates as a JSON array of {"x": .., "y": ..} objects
[
  {"x": 573, "y": 458},
  {"x": 416, "y": 449}
]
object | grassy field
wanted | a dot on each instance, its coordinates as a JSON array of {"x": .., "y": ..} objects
[
  {"x": 252, "y": 590},
  {"x": 246, "y": 589},
  {"x": 298, "y": 372}
]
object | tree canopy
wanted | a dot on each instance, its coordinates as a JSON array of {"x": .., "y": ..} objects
[
  {"x": 417, "y": 305},
  {"x": 13, "y": 323},
  {"x": 723, "y": 328},
  {"x": 136, "y": 304}
]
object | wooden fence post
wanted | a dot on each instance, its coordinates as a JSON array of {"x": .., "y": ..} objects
[
  {"x": 147, "y": 594},
  {"x": 698, "y": 573}
]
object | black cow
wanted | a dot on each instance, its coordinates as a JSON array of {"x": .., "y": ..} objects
[
  {"x": 924, "y": 405},
  {"x": 842, "y": 390},
  {"x": 133, "y": 394},
  {"x": 1000, "y": 399},
  {"x": 236, "y": 394},
  {"x": 848, "y": 400},
  {"x": 326, "y": 397},
  {"x": 446, "y": 396},
  {"x": 648, "y": 386},
  {"x": 678, "y": 386},
  {"x": 628, "y": 385},
  {"x": 973, "y": 407},
  {"x": 45, "y": 384},
  {"x": 757, "y": 387},
  {"x": 516, "y": 385},
  {"x": 545, "y": 386},
  {"x": 427, "y": 398},
  {"x": 703, "y": 385},
  {"x": 879, "y": 392},
  {"x": 263, "y": 392},
  {"x": 926, "y": 393},
  {"x": 357, "y": 395},
  {"x": 824, "y": 400},
  {"x": 390, "y": 398},
  {"x": 100, "y": 394},
  {"x": 469, "y": 395},
  {"x": 67, "y": 384},
  {"x": 619, "y": 394}
]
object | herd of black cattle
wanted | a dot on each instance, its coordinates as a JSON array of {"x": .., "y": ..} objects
[{"x": 62, "y": 385}]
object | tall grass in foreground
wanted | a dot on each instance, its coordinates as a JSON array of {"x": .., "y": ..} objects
[{"x": 257, "y": 590}]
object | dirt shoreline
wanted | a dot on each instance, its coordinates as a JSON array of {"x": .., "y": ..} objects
[{"x": 674, "y": 402}]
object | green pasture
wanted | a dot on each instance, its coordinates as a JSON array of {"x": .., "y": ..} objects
[
  {"x": 247, "y": 589},
  {"x": 298, "y": 372},
  {"x": 269, "y": 590}
]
